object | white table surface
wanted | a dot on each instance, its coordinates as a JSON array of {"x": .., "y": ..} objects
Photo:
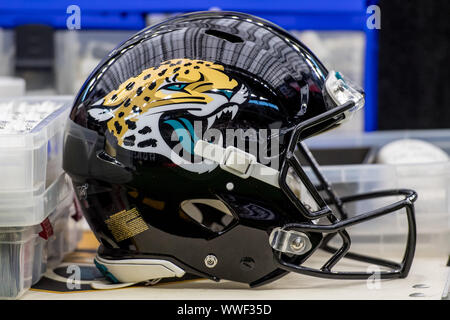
[{"x": 426, "y": 270}]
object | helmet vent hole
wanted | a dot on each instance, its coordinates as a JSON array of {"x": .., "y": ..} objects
[
  {"x": 224, "y": 35},
  {"x": 209, "y": 213}
]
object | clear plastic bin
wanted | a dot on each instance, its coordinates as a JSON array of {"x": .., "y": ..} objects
[
  {"x": 78, "y": 53},
  {"x": 69, "y": 233},
  {"x": 31, "y": 144},
  {"x": 12, "y": 86},
  {"x": 7, "y": 52},
  {"x": 28, "y": 207},
  {"x": 343, "y": 51},
  {"x": 431, "y": 181},
  {"x": 25, "y": 255},
  {"x": 30, "y": 160}
]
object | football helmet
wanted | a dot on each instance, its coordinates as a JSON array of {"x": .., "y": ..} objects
[{"x": 186, "y": 148}]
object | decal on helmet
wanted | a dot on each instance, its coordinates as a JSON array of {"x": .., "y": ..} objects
[
  {"x": 177, "y": 93},
  {"x": 126, "y": 224}
]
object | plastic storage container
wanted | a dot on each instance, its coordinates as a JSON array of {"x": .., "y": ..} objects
[
  {"x": 28, "y": 207},
  {"x": 344, "y": 51},
  {"x": 69, "y": 231},
  {"x": 36, "y": 196},
  {"x": 78, "y": 53},
  {"x": 31, "y": 141},
  {"x": 7, "y": 52},
  {"x": 12, "y": 86},
  {"x": 430, "y": 180},
  {"x": 25, "y": 253},
  {"x": 31, "y": 132}
]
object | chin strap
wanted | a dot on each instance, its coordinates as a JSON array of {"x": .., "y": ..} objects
[
  {"x": 245, "y": 165},
  {"x": 237, "y": 162}
]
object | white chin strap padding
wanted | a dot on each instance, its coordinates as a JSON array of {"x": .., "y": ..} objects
[
  {"x": 244, "y": 165},
  {"x": 237, "y": 162},
  {"x": 139, "y": 270}
]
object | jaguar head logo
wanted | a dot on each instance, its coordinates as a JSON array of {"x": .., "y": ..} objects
[{"x": 145, "y": 111}]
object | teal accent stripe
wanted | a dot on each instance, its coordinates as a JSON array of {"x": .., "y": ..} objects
[
  {"x": 104, "y": 270},
  {"x": 188, "y": 124},
  {"x": 226, "y": 92},
  {"x": 264, "y": 103},
  {"x": 183, "y": 135}
]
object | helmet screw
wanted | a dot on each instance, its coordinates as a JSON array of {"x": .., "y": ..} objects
[
  {"x": 297, "y": 244},
  {"x": 211, "y": 261}
]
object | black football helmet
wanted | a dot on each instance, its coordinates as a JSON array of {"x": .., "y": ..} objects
[{"x": 185, "y": 146}]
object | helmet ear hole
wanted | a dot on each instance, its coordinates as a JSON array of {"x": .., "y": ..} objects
[{"x": 212, "y": 214}]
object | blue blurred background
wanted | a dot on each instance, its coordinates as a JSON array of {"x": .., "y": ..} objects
[{"x": 54, "y": 45}]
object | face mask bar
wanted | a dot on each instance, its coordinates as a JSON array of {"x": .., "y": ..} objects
[{"x": 337, "y": 225}]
